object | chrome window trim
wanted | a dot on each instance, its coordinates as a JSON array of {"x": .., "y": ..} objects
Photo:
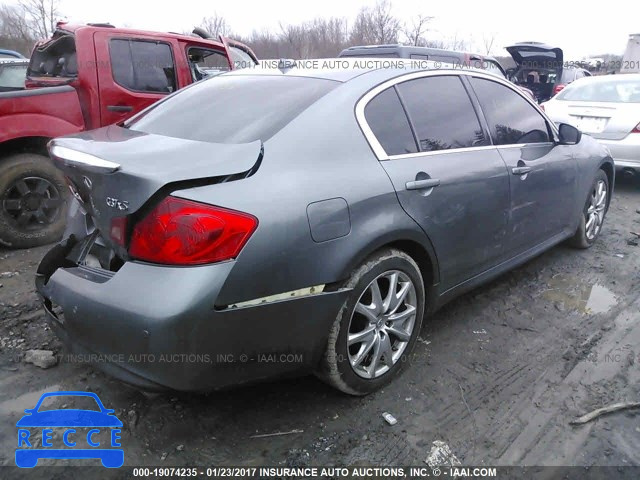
[
  {"x": 438, "y": 152},
  {"x": 377, "y": 148}
]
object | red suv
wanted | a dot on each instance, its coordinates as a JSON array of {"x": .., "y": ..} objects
[{"x": 85, "y": 77}]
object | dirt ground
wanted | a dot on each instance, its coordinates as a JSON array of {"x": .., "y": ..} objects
[{"x": 498, "y": 374}]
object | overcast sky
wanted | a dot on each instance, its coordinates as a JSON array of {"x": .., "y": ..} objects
[{"x": 578, "y": 28}]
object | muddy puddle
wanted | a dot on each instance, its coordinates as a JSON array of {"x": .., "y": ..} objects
[{"x": 572, "y": 293}]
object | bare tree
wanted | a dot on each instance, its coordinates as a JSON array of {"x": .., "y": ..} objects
[
  {"x": 216, "y": 25},
  {"x": 415, "y": 32},
  {"x": 15, "y": 30},
  {"x": 376, "y": 25},
  {"x": 41, "y": 15},
  {"x": 487, "y": 41}
]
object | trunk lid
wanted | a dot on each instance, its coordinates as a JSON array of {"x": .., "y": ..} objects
[
  {"x": 607, "y": 121},
  {"x": 536, "y": 54},
  {"x": 115, "y": 172}
]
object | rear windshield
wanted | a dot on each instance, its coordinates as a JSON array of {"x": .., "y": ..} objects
[
  {"x": 619, "y": 91},
  {"x": 57, "y": 58},
  {"x": 232, "y": 109}
]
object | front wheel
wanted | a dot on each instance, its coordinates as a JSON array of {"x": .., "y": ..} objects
[
  {"x": 593, "y": 214},
  {"x": 378, "y": 325},
  {"x": 33, "y": 201}
]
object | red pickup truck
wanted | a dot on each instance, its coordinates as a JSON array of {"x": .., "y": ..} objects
[{"x": 85, "y": 77}]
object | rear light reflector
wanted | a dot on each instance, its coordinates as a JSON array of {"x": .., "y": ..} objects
[
  {"x": 118, "y": 231},
  {"x": 558, "y": 88},
  {"x": 637, "y": 129},
  {"x": 184, "y": 232}
]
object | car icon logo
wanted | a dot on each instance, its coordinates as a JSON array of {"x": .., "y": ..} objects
[{"x": 82, "y": 433}]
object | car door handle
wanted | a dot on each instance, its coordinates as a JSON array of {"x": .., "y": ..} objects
[
  {"x": 420, "y": 184},
  {"x": 520, "y": 170},
  {"x": 119, "y": 108}
]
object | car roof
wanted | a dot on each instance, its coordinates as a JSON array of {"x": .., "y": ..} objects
[
  {"x": 74, "y": 28},
  {"x": 345, "y": 69},
  {"x": 11, "y": 53},
  {"x": 407, "y": 49},
  {"x": 611, "y": 78}
]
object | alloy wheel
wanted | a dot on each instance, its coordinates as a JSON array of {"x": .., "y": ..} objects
[
  {"x": 382, "y": 324},
  {"x": 596, "y": 210}
]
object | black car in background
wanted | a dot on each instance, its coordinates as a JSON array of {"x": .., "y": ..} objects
[
  {"x": 541, "y": 69},
  {"x": 437, "y": 55},
  {"x": 427, "y": 53}
]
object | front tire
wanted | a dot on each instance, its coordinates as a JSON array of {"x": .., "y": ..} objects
[
  {"x": 33, "y": 201},
  {"x": 378, "y": 325},
  {"x": 593, "y": 214}
]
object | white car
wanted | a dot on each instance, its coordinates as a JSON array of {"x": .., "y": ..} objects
[{"x": 606, "y": 108}]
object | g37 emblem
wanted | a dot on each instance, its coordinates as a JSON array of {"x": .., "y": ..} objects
[{"x": 119, "y": 204}]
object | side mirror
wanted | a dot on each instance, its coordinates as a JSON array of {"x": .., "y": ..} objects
[{"x": 569, "y": 135}]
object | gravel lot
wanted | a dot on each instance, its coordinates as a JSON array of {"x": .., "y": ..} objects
[{"x": 497, "y": 375}]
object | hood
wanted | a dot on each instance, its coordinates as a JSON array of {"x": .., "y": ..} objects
[{"x": 536, "y": 54}]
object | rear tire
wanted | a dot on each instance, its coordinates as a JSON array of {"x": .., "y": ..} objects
[
  {"x": 391, "y": 324},
  {"x": 33, "y": 201},
  {"x": 592, "y": 217}
]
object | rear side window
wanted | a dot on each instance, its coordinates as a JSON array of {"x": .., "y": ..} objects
[
  {"x": 512, "y": 120},
  {"x": 389, "y": 123},
  {"x": 441, "y": 113},
  {"x": 143, "y": 66},
  {"x": 232, "y": 109}
]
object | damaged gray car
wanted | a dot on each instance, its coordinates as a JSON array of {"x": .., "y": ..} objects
[{"x": 271, "y": 223}]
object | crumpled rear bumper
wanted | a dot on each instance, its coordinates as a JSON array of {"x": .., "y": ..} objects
[{"x": 156, "y": 327}]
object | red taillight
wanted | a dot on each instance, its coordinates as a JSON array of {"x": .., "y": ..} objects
[
  {"x": 558, "y": 88},
  {"x": 541, "y": 106},
  {"x": 637, "y": 129},
  {"x": 183, "y": 232}
]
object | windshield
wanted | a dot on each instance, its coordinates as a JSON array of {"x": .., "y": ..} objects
[
  {"x": 241, "y": 59},
  {"x": 492, "y": 67},
  {"x": 12, "y": 76},
  {"x": 622, "y": 90},
  {"x": 232, "y": 109}
]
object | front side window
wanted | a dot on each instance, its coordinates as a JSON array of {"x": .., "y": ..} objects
[
  {"x": 240, "y": 58},
  {"x": 442, "y": 113},
  {"x": 512, "y": 120},
  {"x": 204, "y": 62},
  {"x": 388, "y": 122},
  {"x": 143, "y": 66}
]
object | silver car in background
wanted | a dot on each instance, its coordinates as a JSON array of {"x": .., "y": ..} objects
[{"x": 606, "y": 108}]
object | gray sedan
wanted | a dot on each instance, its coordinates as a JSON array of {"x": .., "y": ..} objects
[
  {"x": 606, "y": 108},
  {"x": 280, "y": 222}
]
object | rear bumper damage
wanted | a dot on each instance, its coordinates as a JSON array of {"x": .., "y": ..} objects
[
  {"x": 157, "y": 327},
  {"x": 625, "y": 152}
]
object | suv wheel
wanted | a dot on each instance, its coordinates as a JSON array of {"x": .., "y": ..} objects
[{"x": 33, "y": 201}]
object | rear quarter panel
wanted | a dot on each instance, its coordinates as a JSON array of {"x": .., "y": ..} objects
[{"x": 320, "y": 155}]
